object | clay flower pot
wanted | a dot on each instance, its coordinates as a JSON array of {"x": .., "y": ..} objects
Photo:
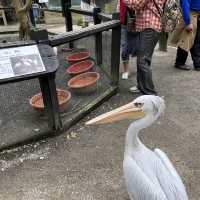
[
  {"x": 77, "y": 57},
  {"x": 84, "y": 83},
  {"x": 80, "y": 67},
  {"x": 64, "y": 97}
]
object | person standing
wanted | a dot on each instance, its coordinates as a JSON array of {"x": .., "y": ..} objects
[
  {"x": 188, "y": 35},
  {"x": 148, "y": 26},
  {"x": 124, "y": 43},
  {"x": 128, "y": 39}
]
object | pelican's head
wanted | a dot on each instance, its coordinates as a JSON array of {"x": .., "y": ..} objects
[{"x": 144, "y": 106}]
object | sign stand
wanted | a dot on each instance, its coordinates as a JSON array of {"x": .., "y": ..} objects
[
  {"x": 48, "y": 88},
  {"x": 24, "y": 62}
]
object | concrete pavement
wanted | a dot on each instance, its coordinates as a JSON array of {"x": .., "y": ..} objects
[{"x": 86, "y": 163}]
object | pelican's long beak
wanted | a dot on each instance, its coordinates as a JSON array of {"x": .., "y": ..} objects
[{"x": 128, "y": 111}]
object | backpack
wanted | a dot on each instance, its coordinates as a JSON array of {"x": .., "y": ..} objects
[{"x": 170, "y": 14}]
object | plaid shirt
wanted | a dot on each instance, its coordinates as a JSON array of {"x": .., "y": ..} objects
[{"x": 147, "y": 15}]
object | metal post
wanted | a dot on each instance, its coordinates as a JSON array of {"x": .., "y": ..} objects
[
  {"x": 163, "y": 41},
  {"x": 98, "y": 37},
  {"x": 115, "y": 54},
  {"x": 48, "y": 88},
  {"x": 66, "y": 5}
]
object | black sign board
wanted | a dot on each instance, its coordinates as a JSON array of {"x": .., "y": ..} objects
[{"x": 19, "y": 61}]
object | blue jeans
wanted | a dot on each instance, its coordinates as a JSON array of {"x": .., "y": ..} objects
[
  {"x": 147, "y": 42},
  {"x": 182, "y": 55},
  {"x": 128, "y": 43},
  {"x": 36, "y": 10}
]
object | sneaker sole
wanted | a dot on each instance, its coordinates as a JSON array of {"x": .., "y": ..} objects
[{"x": 183, "y": 68}]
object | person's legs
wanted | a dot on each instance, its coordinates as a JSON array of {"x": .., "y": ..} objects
[
  {"x": 124, "y": 52},
  {"x": 195, "y": 51},
  {"x": 126, "y": 65},
  {"x": 133, "y": 43},
  {"x": 181, "y": 57},
  {"x": 147, "y": 42}
]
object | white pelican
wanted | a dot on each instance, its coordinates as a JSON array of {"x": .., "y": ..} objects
[{"x": 149, "y": 175}]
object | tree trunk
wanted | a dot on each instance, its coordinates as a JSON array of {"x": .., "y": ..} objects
[{"x": 22, "y": 13}]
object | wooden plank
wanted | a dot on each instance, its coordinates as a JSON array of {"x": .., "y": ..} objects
[
  {"x": 85, "y": 32},
  {"x": 115, "y": 54},
  {"x": 81, "y": 12},
  {"x": 104, "y": 17},
  {"x": 98, "y": 37}
]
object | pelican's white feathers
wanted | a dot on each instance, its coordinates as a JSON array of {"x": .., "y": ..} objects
[
  {"x": 149, "y": 175},
  {"x": 139, "y": 185}
]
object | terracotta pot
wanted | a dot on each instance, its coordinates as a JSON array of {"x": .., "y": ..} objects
[
  {"x": 77, "y": 57},
  {"x": 64, "y": 97},
  {"x": 84, "y": 83},
  {"x": 80, "y": 67}
]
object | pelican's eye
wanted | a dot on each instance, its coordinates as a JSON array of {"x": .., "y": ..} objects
[{"x": 138, "y": 105}]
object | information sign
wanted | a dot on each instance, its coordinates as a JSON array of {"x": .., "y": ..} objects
[{"x": 20, "y": 61}]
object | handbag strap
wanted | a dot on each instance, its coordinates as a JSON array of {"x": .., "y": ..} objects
[
  {"x": 130, "y": 12},
  {"x": 158, "y": 8}
]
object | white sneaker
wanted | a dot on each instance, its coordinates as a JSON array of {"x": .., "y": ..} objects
[
  {"x": 134, "y": 89},
  {"x": 125, "y": 75}
]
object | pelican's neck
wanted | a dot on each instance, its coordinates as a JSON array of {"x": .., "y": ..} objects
[{"x": 133, "y": 143}]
